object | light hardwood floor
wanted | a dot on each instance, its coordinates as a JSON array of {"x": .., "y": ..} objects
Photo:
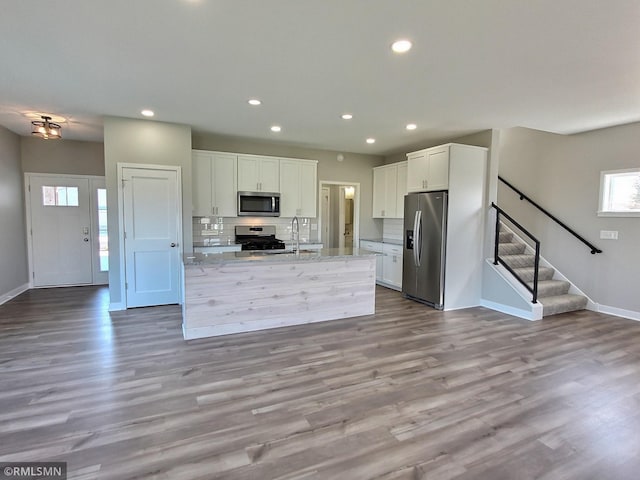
[{"x": 407, "y": 393}]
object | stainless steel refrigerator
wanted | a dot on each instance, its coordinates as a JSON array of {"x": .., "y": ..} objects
[{"x": 425, "y": 231}]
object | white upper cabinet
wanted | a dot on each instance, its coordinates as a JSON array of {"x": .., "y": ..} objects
[
  {"x": 298, "y": 188},
  {"x": 214, "y": 184},
  {"x": 389, "y": 189},
  {"x": 428, "y": 169},
  {"x": 401, "y": 188},
  {"x": 258, "y": 174}
]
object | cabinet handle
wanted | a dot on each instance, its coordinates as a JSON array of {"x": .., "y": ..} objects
[{"x": 213, "y": 210}]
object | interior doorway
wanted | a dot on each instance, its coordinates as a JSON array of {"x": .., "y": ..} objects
[
  {"x": 151, "y": 206},
  {"x": 339, "y": 222}
]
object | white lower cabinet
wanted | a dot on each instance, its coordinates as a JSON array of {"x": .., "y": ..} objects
[
  {"x": 388, "y": 263},
  {"x": 392, "y": 265}
]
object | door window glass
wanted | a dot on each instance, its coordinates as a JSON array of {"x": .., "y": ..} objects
[
  {"x": 103, "y": 237},
  {"x": 59, "y": 196}
]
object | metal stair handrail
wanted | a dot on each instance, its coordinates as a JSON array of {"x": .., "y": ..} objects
[
  {"x": 593, "y": 248},
  {"x": 496, "y": 255}
]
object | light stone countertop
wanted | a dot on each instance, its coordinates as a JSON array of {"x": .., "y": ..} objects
[
  {"x": 324, "y": 254},
  {"x": 383, "y": 240}
]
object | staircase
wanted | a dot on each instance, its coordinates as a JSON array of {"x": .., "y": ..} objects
[{"x": 553, "y": 295}]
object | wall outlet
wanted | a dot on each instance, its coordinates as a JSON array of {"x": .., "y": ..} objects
[{"x": 609, "y": 234}]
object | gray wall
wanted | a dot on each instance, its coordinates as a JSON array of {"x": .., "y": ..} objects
[
  {"x": 355, "y": 168},
  {"x": 62, "y": 156},
  {"x": 562, "y": 173},
  {"x": 13, "y": 254},
  {"x": 142, "y": 141}
]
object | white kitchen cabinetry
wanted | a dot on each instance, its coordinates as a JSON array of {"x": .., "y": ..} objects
[
  {"x": 388, "y": 263},
  {"x": 389, "y": 189},
  {"x": 298, "y": 187},
  {"x": 258, "y": 174},
  {"x": 401, "y": 189},
  {"x": 465, "y": 182},
  {"x": 392, "y": 265},
  {"x": 428, "y": 169},
  {"x": 214, "y": 184}
]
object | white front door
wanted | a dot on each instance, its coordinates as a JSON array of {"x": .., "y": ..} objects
[
  {"x": 60, "y": 227},
  {"x": 152, "y": 229}
]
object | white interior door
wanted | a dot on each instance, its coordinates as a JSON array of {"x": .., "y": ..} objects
[
  {"x": 151, "y": 209},
  {"x": 60, "y": 227}
]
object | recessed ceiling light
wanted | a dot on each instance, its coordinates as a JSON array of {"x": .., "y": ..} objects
[
  {"x": 254, "y": 101},
  {"x": 401, "y": 46},
  {"x": 411, "y": 126},
  {"x": 347, "y": 116},
  {"x": 276, "y": 128},
  {"x": 147, "y": 113},
  {"x": 371, "y": 140}
]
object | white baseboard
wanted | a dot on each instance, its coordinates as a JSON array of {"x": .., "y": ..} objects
[
  {"x": 13, "y": 293},
  {"x": 516, "y": 312},
  {"x": 617, "y": 312},
  {"x": 117, "y": 306}
]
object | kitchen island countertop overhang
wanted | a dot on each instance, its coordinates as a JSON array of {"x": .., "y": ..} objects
[{"x": 245, "y": 291}]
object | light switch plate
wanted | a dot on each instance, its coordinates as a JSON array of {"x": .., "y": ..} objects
[{"x": 609, "y": 234}]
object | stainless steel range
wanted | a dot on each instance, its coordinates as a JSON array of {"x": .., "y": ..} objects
[{"x": 258, "y": 237}]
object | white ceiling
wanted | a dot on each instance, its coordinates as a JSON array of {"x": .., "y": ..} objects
[{"x": 563, "y": 66}]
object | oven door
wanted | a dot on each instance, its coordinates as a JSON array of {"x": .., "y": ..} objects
[{"x": 258, "y": 204}]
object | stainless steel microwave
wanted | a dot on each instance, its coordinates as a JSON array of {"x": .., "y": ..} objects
[{"x": 258, "y": 204}]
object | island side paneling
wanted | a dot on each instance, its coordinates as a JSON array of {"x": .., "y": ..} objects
[{"x": 240, "y": 297}]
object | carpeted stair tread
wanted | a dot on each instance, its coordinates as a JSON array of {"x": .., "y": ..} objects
[
  {"x": 511, "y": 248},
  {"x": 562, "y": 303},
  {"x": 551, "y": 288},
  {"x": 519, "y": 261},
  {"x": 526, "y": 273},
  {"x": 505, "y": 237}
]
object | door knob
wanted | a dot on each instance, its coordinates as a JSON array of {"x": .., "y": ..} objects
[
  {"x": 85, "y": 239},
  {"x": 173, "y": 244}
]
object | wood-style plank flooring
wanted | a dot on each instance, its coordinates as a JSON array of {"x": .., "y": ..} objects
[{"x": 407, "y": 393}]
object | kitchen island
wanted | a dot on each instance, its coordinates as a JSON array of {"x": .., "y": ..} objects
[{"x": 245, "y": 291}]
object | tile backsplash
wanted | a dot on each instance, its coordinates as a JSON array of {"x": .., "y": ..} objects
[
  {"x": 221, "y": 230},
  {"x": 392, "y": 228}
]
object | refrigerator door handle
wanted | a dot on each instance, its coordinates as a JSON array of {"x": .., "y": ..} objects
[
  {"x": 415, "y": 238},
  {"x": 417, "y": 243}
]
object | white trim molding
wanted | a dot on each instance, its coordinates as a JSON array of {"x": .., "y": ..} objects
[
  {"x": 617, "y": 312},
  {"x": 4, "y": 298}
]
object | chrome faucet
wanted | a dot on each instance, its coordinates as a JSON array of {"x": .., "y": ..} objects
[{"x": 294, "y": 220}]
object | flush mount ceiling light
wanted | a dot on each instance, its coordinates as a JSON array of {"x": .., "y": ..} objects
[
  {"x": 411, "y": 126},
  {"x": 254, "y": 102},
  {"x": 147, "y": 113},
  {"x": 346, "y": 116},
  {"x": 45, "y": 129},
  {"x": 401, "y": 46},
  {"x": 371, "y": 140},
  {"x": 276, "y": 128}
]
